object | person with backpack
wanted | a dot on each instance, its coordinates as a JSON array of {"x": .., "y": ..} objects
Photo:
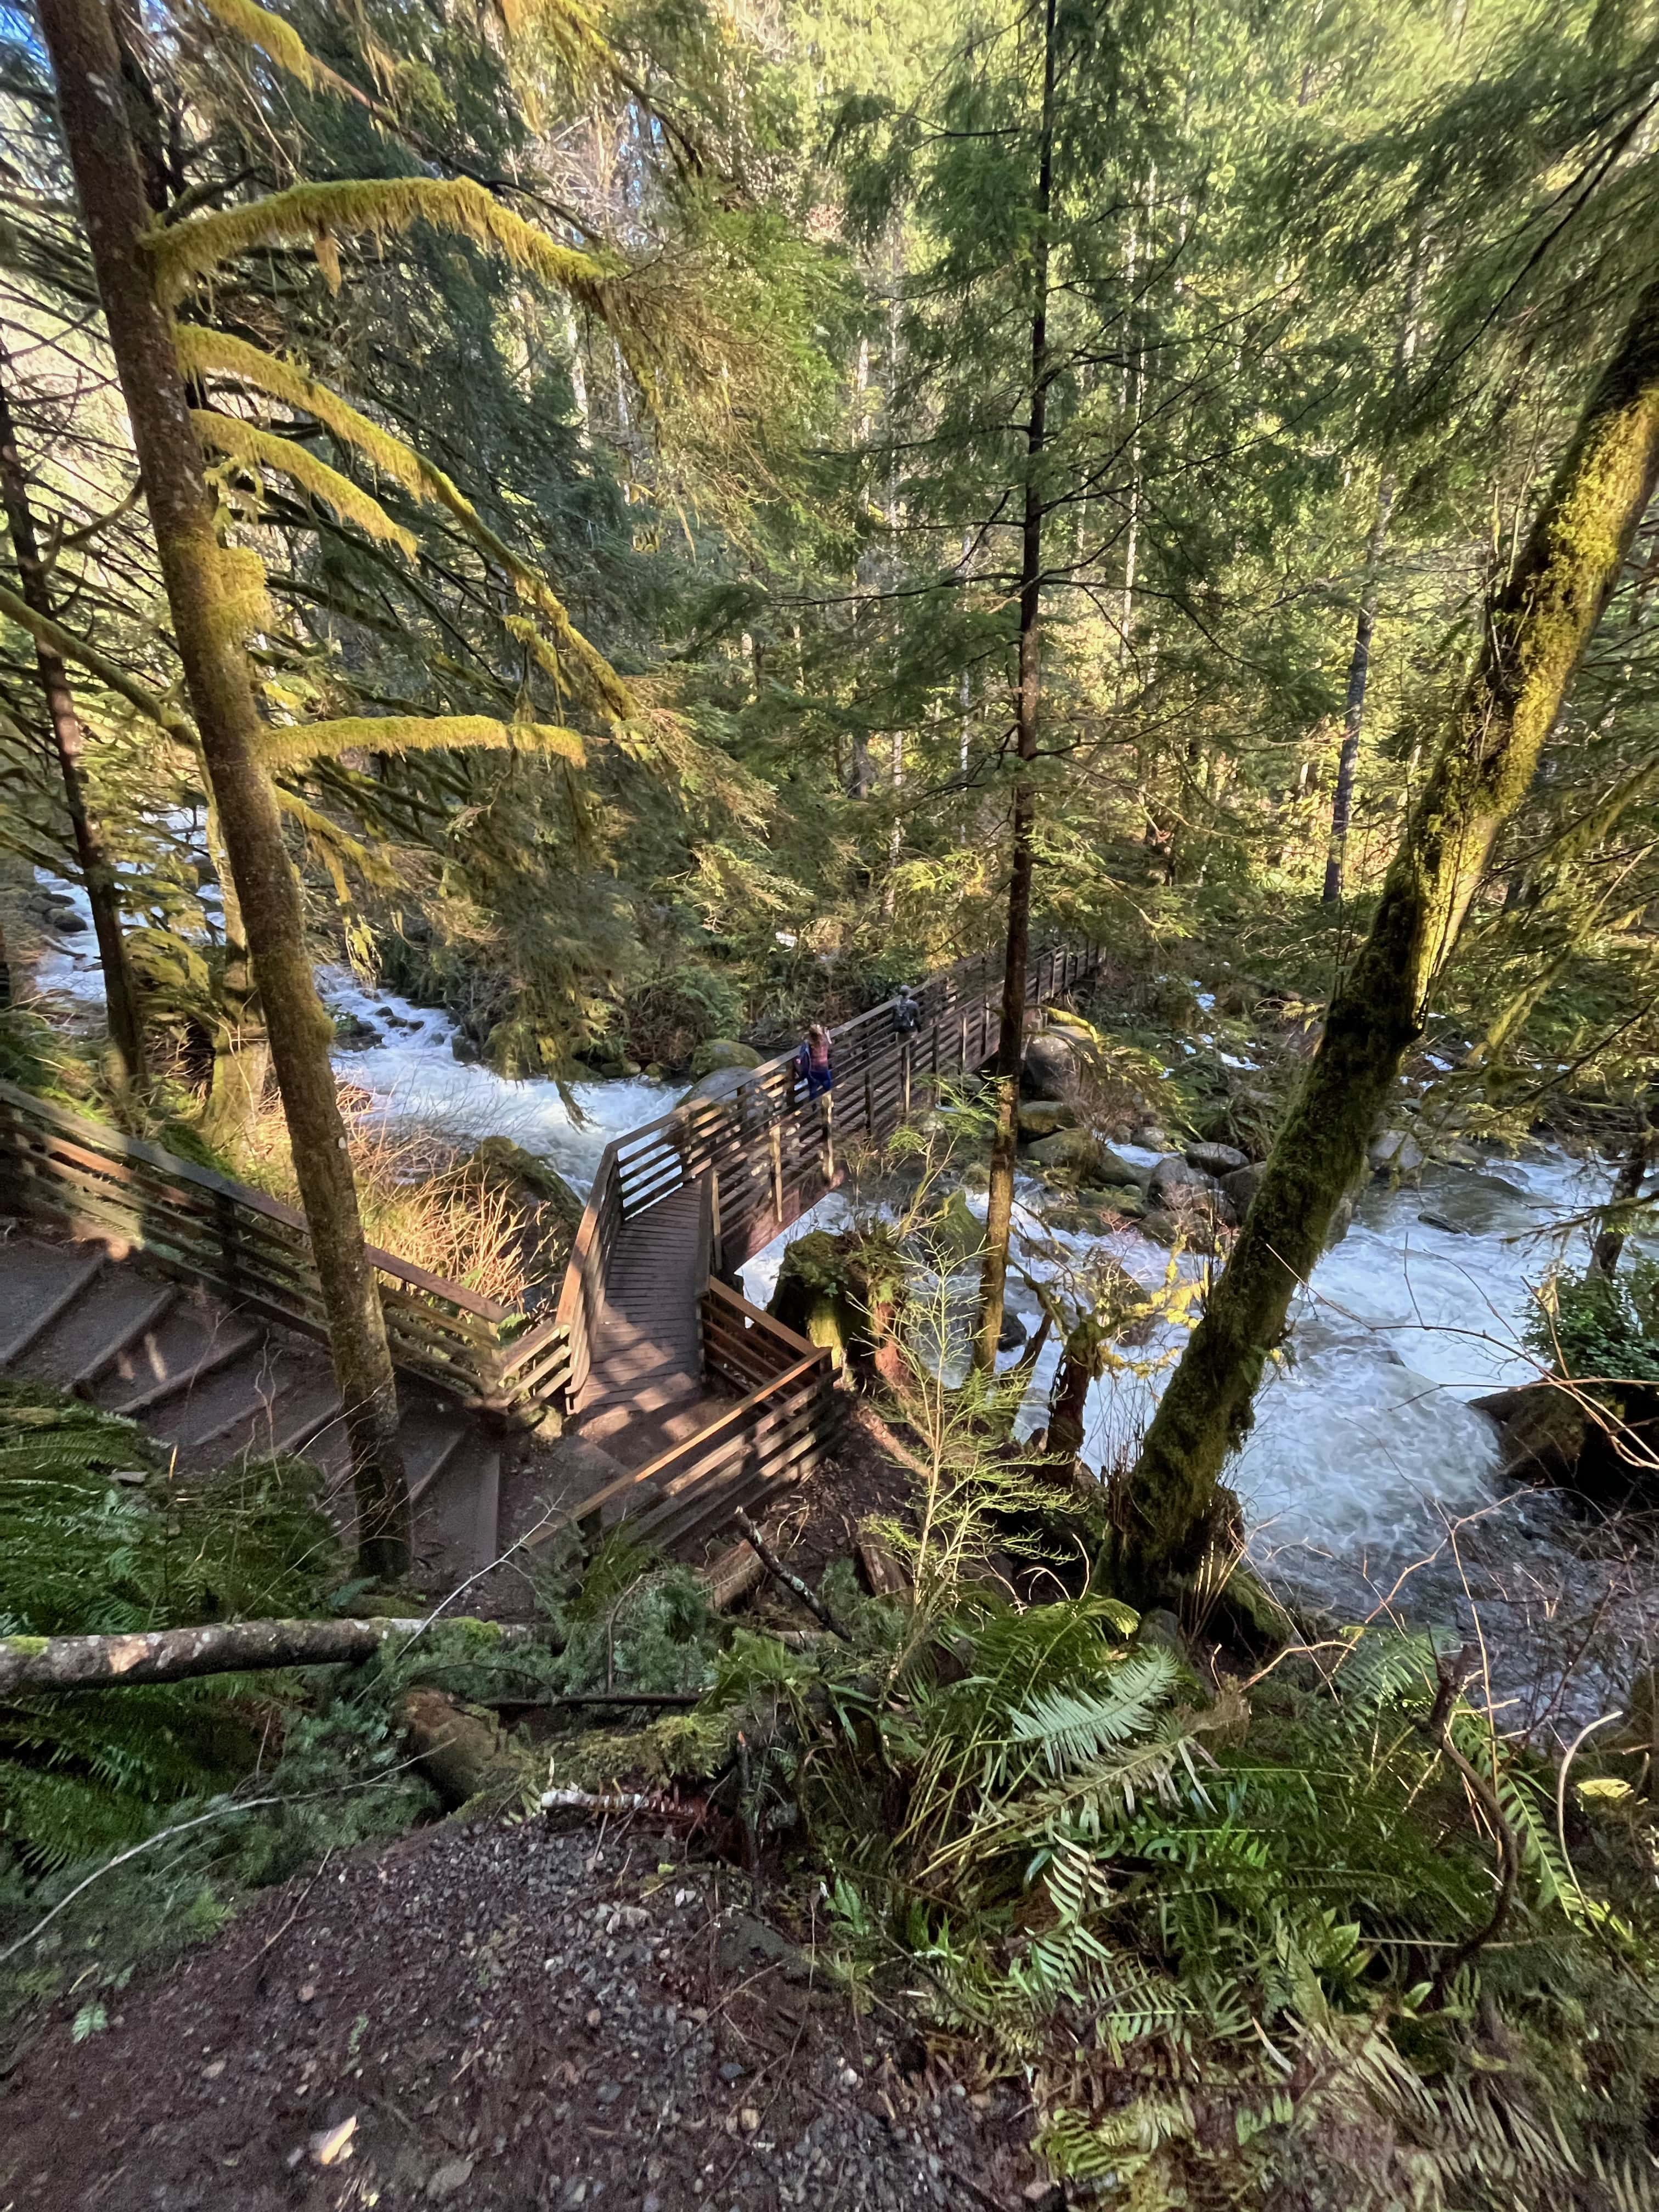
[
  {"x": 907, "y": 1013},
  {"x": 813, "y": 1064}
]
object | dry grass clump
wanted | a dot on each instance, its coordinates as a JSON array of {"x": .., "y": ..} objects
[{"x": 419, "y": 1199}]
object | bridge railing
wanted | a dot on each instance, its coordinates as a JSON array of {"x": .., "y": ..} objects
[
  {"x": 771, "y": 1154},
  {"x": 781, "y": 1426},
  {"x": 87, "y": 1178}
]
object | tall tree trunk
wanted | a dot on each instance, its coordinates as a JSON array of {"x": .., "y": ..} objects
[
  {"x": 1354, "y": 720},
  {"x": 241, "y": 1050},
  {"x": 1626, "y": 1189},
  {"x": 1359, "y": 666},
  {"x": 87, "y": 65},
  {"x": 1011, "y": 1037},
  {"x": 97, "y": 869},
  {"x": 1537, "y": 627}
]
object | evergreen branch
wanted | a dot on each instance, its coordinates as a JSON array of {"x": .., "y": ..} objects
[
  {"x": 262, "y": 449},
  {"x": 291, "y": 744},
  {"x": 203, "y": 352}
]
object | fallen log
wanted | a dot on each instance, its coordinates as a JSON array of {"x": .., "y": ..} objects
[{"x": 236, "y": 1647}]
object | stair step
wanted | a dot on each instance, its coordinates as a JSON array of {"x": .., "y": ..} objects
[
  {"x": 225, "y": 1354},
  {"x": 487, "y": 1512},
  {"x": 126, "y": 1337},
  {"x": 81, "y": 1281},
  {"x": 421, "y": 1475},
  {"x": 291, "y": 1442}
]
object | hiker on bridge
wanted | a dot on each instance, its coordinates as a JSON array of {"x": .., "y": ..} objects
[
  {"x": 813, "y": 1062},
  {"x": 907, "y": 1013}
]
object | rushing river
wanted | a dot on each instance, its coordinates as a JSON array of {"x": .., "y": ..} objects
[{"x": 1370, "y": 1483}]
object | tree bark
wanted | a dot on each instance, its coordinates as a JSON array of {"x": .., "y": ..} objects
[
  {"x": 1354, "y": 721},
  {"x": 87, "y": 65},
  {"x": 1537, "y": 625},
  {"x": 97, "y": 868},
  {"x": 1626, "y": 1189},
  {"x": 176, "y": 1654},
  {"x": 1011, "y": 1036}
]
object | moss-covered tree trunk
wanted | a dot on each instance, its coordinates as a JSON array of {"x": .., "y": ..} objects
[
  {"x": 97, "y": 868},
  {"x": 1537, "y": 625},
  {"x": 87, "y": 65},
  {"x": 1016, "y": 951}
]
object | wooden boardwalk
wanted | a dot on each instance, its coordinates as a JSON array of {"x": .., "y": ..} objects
[
  {"x": 702, "y": 1403},
  {"x": 645, "y": 1387}
]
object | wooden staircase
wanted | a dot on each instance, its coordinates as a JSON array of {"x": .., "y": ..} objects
[
  {"x": 160, "y": 1290},
  {"x": 209, "y": 1385}
]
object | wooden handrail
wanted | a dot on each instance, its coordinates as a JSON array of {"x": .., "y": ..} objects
[{"x": 197, "y": 1224}]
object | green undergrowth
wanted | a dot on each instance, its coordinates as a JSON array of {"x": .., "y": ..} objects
[
  {"x": 1210, "y": 1928},
  {"x": 1601, "y": 1329}
]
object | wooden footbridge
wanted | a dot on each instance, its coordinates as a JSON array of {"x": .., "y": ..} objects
[{"x": 165, "y": 1292}]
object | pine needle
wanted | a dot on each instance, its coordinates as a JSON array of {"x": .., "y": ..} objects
[
  {"x": 203, "y": 352},
  {"x": 259, "y": 449},
  {"x": 378, "y": 207},
  {"x": 292, "y": 745}
]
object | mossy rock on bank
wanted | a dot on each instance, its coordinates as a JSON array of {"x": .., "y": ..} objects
[
  {"x": 723, "y": 1052},
  {"x": 1600, "y": 1447},
  {"x": 840, "y": 1293},
  {"x": 503, "y": 1163},
  {"x": 1045, "y": 1117},
  {"x": 1078, "y": 1155}
]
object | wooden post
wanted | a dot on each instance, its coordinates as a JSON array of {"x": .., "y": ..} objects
[
  {"x": 962, "y": 1046},
  {"x": 869, "y": 1106},
  {"x": 777, "y": 1172},
  {"x": 719, "y": 1243},
  {"x": 906, "y": 1061},
  {"x": 829, "y": 1139}
]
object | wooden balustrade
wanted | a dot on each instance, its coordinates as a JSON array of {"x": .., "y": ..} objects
[
  {"x": 762, "y": 1155},
  {"x": 770, "y": 1154},
  {"x": 781, "y": 1426},
  {"x": 89, "y": 1179}
]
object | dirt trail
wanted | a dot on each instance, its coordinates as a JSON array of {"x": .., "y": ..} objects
[{"x": 501, "y": 2017}]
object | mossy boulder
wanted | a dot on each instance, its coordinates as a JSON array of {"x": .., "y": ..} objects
[
  {"x": 1050, "y": 1068},
  {"x": 723, "y": 1052},
  {"x": 1074, "y": 1155},
  {"x": 841, "y": 1291},
  {"x": 1045, "y": 1117},
  {"x": 719, "y": 1083},
  {"x": 504, "y": 1164}
]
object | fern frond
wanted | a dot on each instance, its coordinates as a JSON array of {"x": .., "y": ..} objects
[
  {"x": 1070, "y": 1728},
  {"x": 258, "y": 449},
  {"x": 291, "y": 744}
]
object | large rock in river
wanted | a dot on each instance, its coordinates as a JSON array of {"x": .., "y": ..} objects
[
  {"x": 720, "y": 1083},
  {"x": 1044, "y": 1117},
  {"x": 723, "y": 1052},
  {"x": 1050, "y": 1066},
  {"x": 1076, "y": 1155}
]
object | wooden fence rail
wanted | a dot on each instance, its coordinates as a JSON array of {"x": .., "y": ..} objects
[
  {"x": 87, "y": 1178},
  {"x": 763, "y": 1155}
]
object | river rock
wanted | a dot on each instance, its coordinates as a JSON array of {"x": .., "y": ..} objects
[
  {"x": 1543, "y": 1431},
  {"x": 503, "y": 1162},
  {"x": 1395, "y": 1153},
  {"x": 1150, "y": 1138},
  {"x": 1242, "y": 1184},
  {"x": 719, "y": 1083},
  {"x": 723, "y": 1052},
  {"x": 1218, "y": 1160},
  {"x": 1077, "y": 1154},
  {"x": 1175, "y": 1174},
  {"x": 1014, "y": 1332},
  {"x": 353, "y": 1034},
  {"x": 1044, "y": 1117},
  {"x": 1050, "y": 1067}
]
